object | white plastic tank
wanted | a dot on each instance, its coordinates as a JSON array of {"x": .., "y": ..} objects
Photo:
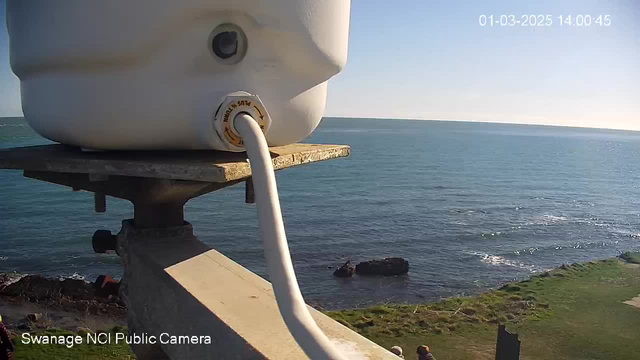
[{"x": 151, "y": 74}]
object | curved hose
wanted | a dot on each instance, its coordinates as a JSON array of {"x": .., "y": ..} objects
[{"x": 276, "y": 251}]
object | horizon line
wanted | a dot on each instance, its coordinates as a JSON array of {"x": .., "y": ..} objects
[
  {"x": 489, "y": 122},
  {"x": 458, "y": 120}
]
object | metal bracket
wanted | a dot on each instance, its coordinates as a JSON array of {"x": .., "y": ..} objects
[{"x": 158, "y": 203}]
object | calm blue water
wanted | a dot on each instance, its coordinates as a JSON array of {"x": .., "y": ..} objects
[{"x": 469, "y": 205}]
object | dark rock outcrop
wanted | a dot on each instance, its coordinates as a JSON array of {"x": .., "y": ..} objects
[
  {"x": 34, "y": 287},
  {"x": 67, "y": 294},
  {"x": 346, "y": 270},
  {"x": 384, "y": 267},
  {"x": 76, "y": 289}
]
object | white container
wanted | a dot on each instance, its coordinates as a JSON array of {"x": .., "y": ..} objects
[{"x": 123, "y": 74}]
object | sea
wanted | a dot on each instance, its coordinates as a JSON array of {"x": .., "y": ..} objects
[{"x": 469, "y": 205}]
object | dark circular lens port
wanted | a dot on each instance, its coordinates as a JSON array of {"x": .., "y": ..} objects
[
  {"x": 225, "y": 44},
  {"x": 228, "y": 44}
]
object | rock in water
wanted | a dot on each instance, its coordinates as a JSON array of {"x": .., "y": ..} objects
[
  {"x": 384, "y": 267},
  {"x": 346, "y": 270}
]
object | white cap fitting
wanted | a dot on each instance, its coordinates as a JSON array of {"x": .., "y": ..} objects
[{"x": 232, "y": 105}]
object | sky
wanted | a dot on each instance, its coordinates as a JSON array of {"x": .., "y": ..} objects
[{"x": 421, "y": 59}]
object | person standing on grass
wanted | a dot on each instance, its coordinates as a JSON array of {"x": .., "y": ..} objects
[
  {"x": 6, "y": 347},
  {"x": 424, "y": 353}
]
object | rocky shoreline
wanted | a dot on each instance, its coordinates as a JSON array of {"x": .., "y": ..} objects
[
  {"x": 33, "y": 301},
  {"x": 29, "y": 302}
]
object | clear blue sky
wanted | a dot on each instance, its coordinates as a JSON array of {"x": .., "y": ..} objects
[{"x": 425, "y": 59}]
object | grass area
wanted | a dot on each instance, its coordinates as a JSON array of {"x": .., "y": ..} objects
[
  {"x": 573, "y": 312},
  {"x": 82, "y": 351}
]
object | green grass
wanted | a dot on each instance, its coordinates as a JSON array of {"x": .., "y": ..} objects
[
  {"x": 83, "y": 351},
  {"x": 573, "y": 312}
]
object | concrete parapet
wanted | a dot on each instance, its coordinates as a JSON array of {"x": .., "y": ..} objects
[{"x": 177, "y": 285}]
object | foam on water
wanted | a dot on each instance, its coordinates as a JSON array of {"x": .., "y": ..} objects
[
  {"x": 10, "y": 278},
  {"x": 497, "y": 260},
  {"x": 546, "y": 220},
  {"x": 74, "y": 276}
]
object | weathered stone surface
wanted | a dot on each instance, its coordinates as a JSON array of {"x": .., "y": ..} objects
[
  {"x": 346, "y": 270},
  {"x": 384, "y": 267},
  {"x": 209, "y": 166}
]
